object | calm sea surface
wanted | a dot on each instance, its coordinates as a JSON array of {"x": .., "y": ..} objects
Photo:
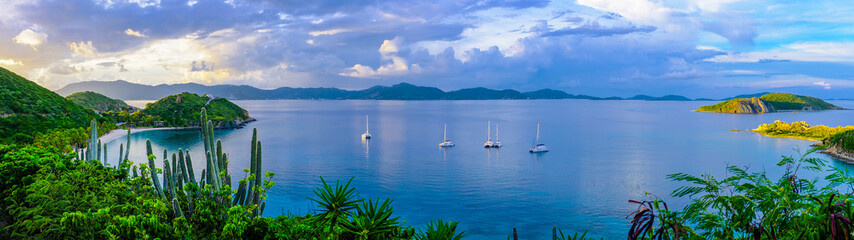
[{"x": 603, "y": 153}]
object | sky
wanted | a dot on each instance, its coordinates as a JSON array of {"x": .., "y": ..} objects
[{"x": 696, "y": 48}]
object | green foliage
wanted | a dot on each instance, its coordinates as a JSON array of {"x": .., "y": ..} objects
[
  {"x": 844, "y": 140},
  {"x": 27, "y": 110},
  {"x": 799, "y": 130},
  {"x": 62, "y": 140},
  {"x": 441, "y": 230},
  {"x": 98, "y": 102},
  {"x": 728, "y": 106},
  {"x": 182, "y": 110},
  {"x": 748, "y": 205},
  {"x": 373, "y": 221},
  {"x": 335, "y": 202},
  {"x": 788, "y": 101}
]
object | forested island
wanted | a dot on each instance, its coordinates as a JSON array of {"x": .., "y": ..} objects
[
  {"x": 834, "y": 141},
  {"x": 768, "y": 103},
  {"x": 98, "y": 102}
]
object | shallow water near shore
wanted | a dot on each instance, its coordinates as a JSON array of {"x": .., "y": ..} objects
[{"x": 603, "y": 153}]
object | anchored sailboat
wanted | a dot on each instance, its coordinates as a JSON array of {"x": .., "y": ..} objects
[
  {"x": 367, "y": 134},
  {"x": 496, "y": 143},
  {"x": 538, "y": 147},
  {"x": 489, "y": 143},
  {"x": 445, "y": 141}
]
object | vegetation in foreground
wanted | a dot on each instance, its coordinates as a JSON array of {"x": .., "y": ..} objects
[
  {"x": 801, "y": 130},
  {"x": 754, "y": 205},
  {"x": 50, "y": 194}
]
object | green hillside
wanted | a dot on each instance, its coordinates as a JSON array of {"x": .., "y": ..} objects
[
  {"x": 27, "y": 109},
  {"x": 770, "y": 102},
  {"x": 788, "y": 101},
  {"x": 739, "y": 106},
  {"x": 843, "y": 140},
  {"x": 182, "y": 110},
  {"x": 98, "y": 102}
]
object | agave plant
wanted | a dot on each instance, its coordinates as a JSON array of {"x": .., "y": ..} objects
[
  {"x": 373, "y": 221},
  {"x": 644, "y": 218},
  {"x": 441, "y": 230},
  {"x": 335, "y": 202},
  {"x": 557, "y": 234}
]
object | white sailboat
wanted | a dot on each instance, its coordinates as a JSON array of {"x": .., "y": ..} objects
[
  {"x": 489, "y": 143},
  {"x": 445, "y": 141},
  {"x": 367, "y": 134},
  {"x": 538, "y": 147},
  {"x": 496, "y": 143}
]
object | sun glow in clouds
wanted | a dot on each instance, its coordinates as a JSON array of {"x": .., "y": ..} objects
[{"x": 30, "y": 38}]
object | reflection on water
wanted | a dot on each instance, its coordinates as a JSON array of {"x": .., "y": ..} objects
[{"x": 603, "y": 153}]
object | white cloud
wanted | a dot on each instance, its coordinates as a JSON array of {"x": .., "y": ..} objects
[
  {"x": 824, "y": 84},
  {"x": 10, "y": 62},
  {"x": 797, "y": 80},
  {"x": 85, "y": 49},
  {"x": 330, "y": 32},
  {"x": 713, "y": 5},
  {"x": 638, "y": 11},
  {"x": 390, "y": 46},
  {"x": 396, "y": 67},
  {"x": 30, "y": 38},
  {"x": 806, "y": 51},
  {"x": 131, "y": 32}
]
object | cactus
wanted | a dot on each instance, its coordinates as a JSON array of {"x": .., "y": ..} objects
[
  {"x": 151, "y": 165},
  {"x": 177, "y": 208},
  {"x": 252, "y": 158},
  {"x": 258, "y": 176},
  {"x": 105, "y": 152},
  {"x": 127, "y": 150},
  {"x": 179, "y": 177},
  {"x": 98, "y": 157},
  {"x": 121, "y": 151},
  {"x": 93, "y": 141},
  {"x": 190, "y": 172}
]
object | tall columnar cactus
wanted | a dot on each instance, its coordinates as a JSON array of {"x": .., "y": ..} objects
[
  {"x": 93, "y": 141},
  {"x": 98, "y": 156},
  {"x": 179, "y": 177},
  {"x": 151, "y": 166},
  {"x": 127, "y": 145},
  {"x": 124, "y": 153},
  {"x": 121, "y": 151}
]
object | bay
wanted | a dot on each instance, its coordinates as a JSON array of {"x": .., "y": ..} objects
[{"x": 603, "y": 153}]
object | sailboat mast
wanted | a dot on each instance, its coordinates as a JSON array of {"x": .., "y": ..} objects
[
  {"x": 496, "y": 132},
  {"x": 367, "y": 126},
  {"x": 488, "y": 130},
  {"x": 538, "y": 133},
  {"x": 445, "y": 134}
]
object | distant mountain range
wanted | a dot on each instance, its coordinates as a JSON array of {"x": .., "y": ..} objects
[{"x": 403, "y": 91}]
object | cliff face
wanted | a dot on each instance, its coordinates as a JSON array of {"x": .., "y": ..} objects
[
  {"x": 740, "y": 106},
  {"x": 753, "y": 105}
]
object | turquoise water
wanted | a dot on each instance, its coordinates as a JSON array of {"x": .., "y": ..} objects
[{"x": 603, "y": 153}]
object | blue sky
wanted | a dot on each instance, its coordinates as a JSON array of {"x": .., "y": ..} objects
[{"x": 702, "y": 48}]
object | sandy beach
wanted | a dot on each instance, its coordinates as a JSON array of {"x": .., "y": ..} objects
[{"x": 119, "y": 133}]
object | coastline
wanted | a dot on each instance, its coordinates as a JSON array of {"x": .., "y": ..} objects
[
  {"x": 784, "y": 136},
  {"x": 119, "y": 133},
  {"x": 833, "y": 152},
  {"x": 839, "y": 154}
]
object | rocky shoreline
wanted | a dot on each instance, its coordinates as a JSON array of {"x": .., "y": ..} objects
[{"x": 836, "y": 152}]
